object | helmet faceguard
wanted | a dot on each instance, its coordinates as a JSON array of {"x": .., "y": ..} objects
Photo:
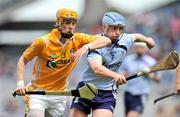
[{"x": 66, "y": 16}]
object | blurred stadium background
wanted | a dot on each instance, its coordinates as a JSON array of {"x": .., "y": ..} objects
[{"x": 22, "y": 21}]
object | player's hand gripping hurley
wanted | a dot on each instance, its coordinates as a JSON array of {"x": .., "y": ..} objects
[{"x": 88, "y": 91}]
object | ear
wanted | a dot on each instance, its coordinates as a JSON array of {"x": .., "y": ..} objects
[
  {"x": 56, "y": 22},
  {"x": 59, "y": 21},
  {"x": 104, "y": 27}
]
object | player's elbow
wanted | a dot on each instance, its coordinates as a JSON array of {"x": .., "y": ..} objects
[
  {"x": 22, "y": 61},
  {"x": 137, "y": 36},
  {"x": 108, "y": 40}
]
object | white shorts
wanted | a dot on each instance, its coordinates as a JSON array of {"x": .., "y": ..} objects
[{"x": 55, "y": 105}]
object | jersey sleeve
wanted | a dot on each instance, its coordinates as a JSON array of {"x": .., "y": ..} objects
[
  {"x": 94, "y": 54},
  {"x": 34, "y": 49},
  {"x": 130, "y": 40},
  {"x": 84, "y": 38}
]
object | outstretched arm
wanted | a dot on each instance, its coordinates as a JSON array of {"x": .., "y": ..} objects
[
  {"x": 32, "y": 51},
  {"x": 148, "y": 40},
  {"x": 21, "y": 89},
  {"x": 101, "y": 41}
]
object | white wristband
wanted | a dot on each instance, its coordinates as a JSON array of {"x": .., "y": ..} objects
[
  {"x": 88, "y": 46},
  {"x": 20, "y": 83}
]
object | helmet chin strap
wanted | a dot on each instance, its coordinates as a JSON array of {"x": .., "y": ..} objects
[
  {"x": 112, "y": 39},
  {"x": 139, "y": 55}
]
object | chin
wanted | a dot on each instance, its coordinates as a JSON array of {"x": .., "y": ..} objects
[
  {"x": 139, "y": 54},
  {"x": 114, "y": 39}
]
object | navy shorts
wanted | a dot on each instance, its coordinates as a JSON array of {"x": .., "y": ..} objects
[
  {"x": 104, "y": 100},
  {"x": 134, "y": 102}
]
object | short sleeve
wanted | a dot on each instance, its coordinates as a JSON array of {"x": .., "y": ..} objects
[
  {"x": 94, "y": 54},
  {"x": 34, "y": 49},
  {"x": 130, "y": 40}
]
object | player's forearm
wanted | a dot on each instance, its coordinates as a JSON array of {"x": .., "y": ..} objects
[
  {"x": 21, "y": 69},
  {"x": 101, "y": 70},
  {"x": 148, "y": 40},
  {"x": 100, "y": 42}
]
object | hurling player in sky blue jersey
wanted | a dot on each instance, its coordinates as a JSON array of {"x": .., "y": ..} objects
[{"x": 103, "y": 66}]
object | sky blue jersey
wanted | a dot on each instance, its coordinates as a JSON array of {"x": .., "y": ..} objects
[
  {"x": 112, "y": 57},
  {"x": 132, "y": 64}
]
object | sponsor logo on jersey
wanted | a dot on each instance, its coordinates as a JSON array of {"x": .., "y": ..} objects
[
  {"x": 53, "y": 56},
  {"x": 57, "y": 64},
  {"x": 115, "y": 65}
]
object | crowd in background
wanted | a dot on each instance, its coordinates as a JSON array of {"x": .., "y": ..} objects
[
  {"x": 162, "y": 24},
  {"x": 8, "y": 3}
]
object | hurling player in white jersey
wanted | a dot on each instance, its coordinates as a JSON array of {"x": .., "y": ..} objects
[{"x": 103, "y": 66}]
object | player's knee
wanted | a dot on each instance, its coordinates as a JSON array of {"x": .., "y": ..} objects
[
  {"x": 77, "y": 113},
  {"x": 133, "y": 114}
]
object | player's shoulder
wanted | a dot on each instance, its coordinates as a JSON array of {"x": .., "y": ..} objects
[
  {"x": 38, "y": 41},
  {"x": 44, "y": 38},
  {"x": 41, "y": 41},
  {"x": 76, "y": 34},
  {"x": 126, "y": 37},
  {"x": 81, "y": 35}
]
